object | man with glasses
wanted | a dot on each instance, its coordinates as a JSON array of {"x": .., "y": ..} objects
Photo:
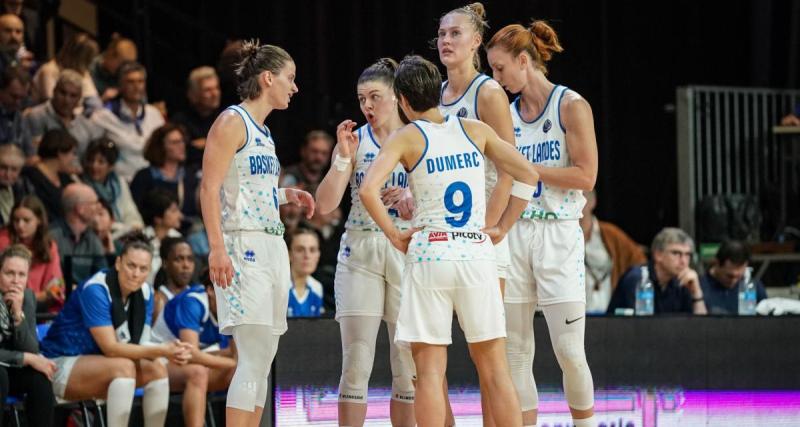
[
  {"x": 11, "y": 187},
  {"x": 676, "y": 285},
  {"x": 82, "y": 252}
]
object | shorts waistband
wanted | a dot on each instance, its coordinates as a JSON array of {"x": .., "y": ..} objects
[{"x": 274, "y": 231}]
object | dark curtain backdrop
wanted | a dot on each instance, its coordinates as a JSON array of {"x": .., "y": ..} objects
[{"x": 625, "y": 57}]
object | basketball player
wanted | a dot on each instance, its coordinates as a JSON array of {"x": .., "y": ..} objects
[
  {"x": 248, "y": 259},
  {"x": 470, "y": 94},
  {"x": 369, "y": 268},
  {"x": 450, "y": 260},
  {"x": 555, "y": 131}
]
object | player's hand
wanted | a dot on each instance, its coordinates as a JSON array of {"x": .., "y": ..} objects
[
  {"x": 301, "y": 198},
  {"x": 391, "y": 195},
  {"x": 176, "y": 352},
  {"x": 41, "y": 364},
  {"x": 405, "y": 206},
  {"x": 346, "y": 142},
  {"x": 495, "y": 233},
  {"x": 220, "y": 268},
  {"x": 400, "y": 239}
]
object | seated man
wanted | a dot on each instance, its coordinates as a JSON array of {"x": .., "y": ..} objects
[
  {"x": 609, "y": 254},
  {"x": 191, "y": 317},
  {"x": 721, "y": 282},
  {"x": 676, "y": 286}
]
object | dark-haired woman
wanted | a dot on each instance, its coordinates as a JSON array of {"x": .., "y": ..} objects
[
  {"x": 248, "y": 260},
  {"x": 369, "y": 268},
  {"x": 97, "y": 341},
  {"x": 98, "y": 172},
  {"x": 57, "y": 152},
  {"x": 29, "y": 226}
]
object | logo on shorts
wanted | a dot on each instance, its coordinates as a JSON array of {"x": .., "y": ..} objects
[
  {"x": 369, "y": 157},
  {"x": 250, "y": 255},
  {"x": 472, "y": 236},
  {"x": 438, "y": 236},
  {"x": 462, "y": 112},
  {"x": 547, "y": 126},
  {"x": 346, "y": 251}
]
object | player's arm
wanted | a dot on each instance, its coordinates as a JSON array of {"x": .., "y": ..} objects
[
  {"x": 332, "y": 188},
  {"x": 106, "y": 339},
  {"x": 192, "y": 338},
  {"x": 508, "y": 159},
  {"x": 391, "y": 153},
  {"x": 576, "y": 116},
  {"x": 227, "y": 134},
  {"x": 493, "y": 110}
]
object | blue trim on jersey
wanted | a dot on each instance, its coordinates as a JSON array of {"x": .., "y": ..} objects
[
  {"x": 477, "y": 91},
  {"x": 558, "y": 112},
  {"x": 263, "y": 130},
  {"x": 372, "y": 137},
  {"x": 444, "y": 86},
  {"x": 426, "y": 147},
  {"x": 547, "y": 104},
  {"x": 246, "y": 130},
  {"x": 461, "y": 123}
]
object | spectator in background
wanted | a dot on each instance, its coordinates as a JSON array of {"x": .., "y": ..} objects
[
  {"x": 82, "y": 252},
  {"x": 129, "y": 120},
  {"x": 192, "y": 318},
  {"x": 721, "y": 282},
  {"x": 162, "y": 218},
  {"x": 24, "y": 373},
  {"x": 609, "y": 254},
  {"x": 11, "y": 187},
  {"x": 197, "y": 238},
  {"x": 59, "y": 113},
  {"x": 105, "y": 68},
  {"x": 101, "y": 341},
  {"x": 178, "y": 268},
  {"x": 14, "y": 84},
  {"x": 98, "y": 172},
  {"x": 29, "y": 227},
  {"x": 12, "y": 39},
  {"x": 76, "y": 54},
  {"x": 166, "y": 152},
  {"x": 51, "y": 174},
  {"x": 315, "y": 155},
  {"x": 203, "y": 93},
  {"x": 306, "y": 293},
  {"x": 30, "y": 19},
  {"x": 108, "y": 230},
  {"x": 676, "y": 285}
]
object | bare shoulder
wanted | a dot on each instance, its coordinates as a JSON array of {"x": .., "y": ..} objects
[
  {"x": 574, "y": 108},
  {"x": 491, "y": 91}
]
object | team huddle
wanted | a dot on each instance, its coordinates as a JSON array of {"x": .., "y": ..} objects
[{"x": 462, "y": 202}]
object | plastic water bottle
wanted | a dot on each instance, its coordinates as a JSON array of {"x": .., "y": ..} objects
[
  {"x": 747, "y": 294},
  {"x": 645, "y": 306}
]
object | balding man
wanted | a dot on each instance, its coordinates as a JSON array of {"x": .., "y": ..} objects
[
  {"x": 105, "y": 68},
  {"x": 82, "y": 253},
  {"x": 203, "y": 92},
  {"x": 12, "y": 36}
]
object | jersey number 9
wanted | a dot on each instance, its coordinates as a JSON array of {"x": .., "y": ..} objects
[{"x": 464, "y": 209}]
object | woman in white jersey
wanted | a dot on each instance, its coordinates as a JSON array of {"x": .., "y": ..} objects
[
  {"x": 450, "y": 260},
  {"x": 555, "y": 131},
  {"x": 470, "y": 94},
  {"x": 369, "y": 268},
  {"x": 248, "y": 261}
]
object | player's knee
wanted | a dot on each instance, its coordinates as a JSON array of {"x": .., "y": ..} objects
[
  {"x": 357, "y": 359},
  {"x": 570, "y": 353},
  {"x": 197, "y": 374},
  {"x": 122, "y": 368},
  {"x": 520, "y": 364}
]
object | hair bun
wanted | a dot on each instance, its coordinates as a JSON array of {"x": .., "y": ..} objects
[
  {"x": 477, "y": 8},
  {"x": 545, "y": 39},
  {"x": 387, "y": 63}
]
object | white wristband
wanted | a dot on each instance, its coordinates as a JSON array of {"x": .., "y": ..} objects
[
  {"x": 341, "y": 163},
  {"x": 282, "y": 197},
  {"x": 522, "y": 190}
]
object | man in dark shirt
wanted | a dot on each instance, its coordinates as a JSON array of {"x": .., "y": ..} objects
[
  {"x": 14, "y": 86},
  {"x": 676, "y": 286},
  {"x": 204, "y": 97},
  {"x": 82, "y": 253},
  {"x": 315, "y": 156},
  {"x": 721, "y": 282}
]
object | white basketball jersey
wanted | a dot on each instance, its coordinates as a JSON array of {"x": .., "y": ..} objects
[
  {"x": 543, "y": 141},
  {"x": 367, "y": 150},
  {"x": 250, "y": 188},
  {"x": 448, "y": 185},
  {"x": 466, "y": 107}
]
